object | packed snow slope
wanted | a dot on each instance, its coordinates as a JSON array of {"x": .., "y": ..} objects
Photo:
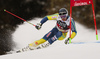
[{"x": 26, "y": 33}]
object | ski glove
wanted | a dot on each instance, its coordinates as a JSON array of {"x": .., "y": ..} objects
[
  {"x": 67, "y": 41},
  {"x": 38, "y": 26}
]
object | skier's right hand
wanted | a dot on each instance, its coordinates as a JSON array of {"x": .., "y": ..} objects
[{"x": 38, "y": 26}]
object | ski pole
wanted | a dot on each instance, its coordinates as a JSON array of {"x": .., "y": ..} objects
[{"x": 18, "y": 17}]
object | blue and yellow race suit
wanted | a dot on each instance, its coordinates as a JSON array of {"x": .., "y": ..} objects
[{"x": 59, "y": 32}]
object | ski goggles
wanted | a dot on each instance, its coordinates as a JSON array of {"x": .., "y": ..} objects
[{"x": 63, "y": 16}]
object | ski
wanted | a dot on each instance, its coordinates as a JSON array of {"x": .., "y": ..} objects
[
  {"x": 27, "y": 48},
  {"x": 23, "y": 50}
]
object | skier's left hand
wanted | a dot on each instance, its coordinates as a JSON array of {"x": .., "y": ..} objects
[
  {"x": 67, "y": 41},
  {"x": 38, "y": 26}
]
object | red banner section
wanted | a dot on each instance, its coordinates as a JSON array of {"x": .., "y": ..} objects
[{"x": 80, "y": 2}]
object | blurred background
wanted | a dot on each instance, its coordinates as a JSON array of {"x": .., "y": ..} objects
[{"x": 29, "y": 9}]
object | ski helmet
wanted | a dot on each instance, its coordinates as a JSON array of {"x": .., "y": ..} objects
[{"x": 63, "y": 11}]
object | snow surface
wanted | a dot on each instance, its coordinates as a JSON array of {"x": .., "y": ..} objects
[{"x": 27, "y": 33}]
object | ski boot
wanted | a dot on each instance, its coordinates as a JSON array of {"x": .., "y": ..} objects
[
  {"x": 31, "y": 46},
  {"x": 44, "y": 45}
]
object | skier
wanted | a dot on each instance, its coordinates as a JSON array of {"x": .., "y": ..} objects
[{"x": 59, "y": 32}]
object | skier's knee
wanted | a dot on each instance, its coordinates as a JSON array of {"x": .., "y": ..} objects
[{"x": 51, "y": 40}]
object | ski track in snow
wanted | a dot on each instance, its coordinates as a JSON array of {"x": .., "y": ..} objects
[{"x": 26, "y": 33}]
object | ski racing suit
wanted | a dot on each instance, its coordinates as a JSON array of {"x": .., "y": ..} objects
[{"x": 59, "y": 32}]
